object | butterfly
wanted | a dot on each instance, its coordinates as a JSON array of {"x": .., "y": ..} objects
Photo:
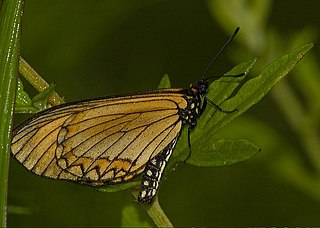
[{"x": 113, "y": 139}]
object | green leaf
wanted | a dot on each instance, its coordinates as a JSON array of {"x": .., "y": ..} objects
[
  {"x": 246, "y": 96},
  {"x": 22, "y": 98},
  {"x": 165, "y": 82},
  {"x": 26, "y": 105},
  {"x": 10, "y": 27},
  {"x": 255, "y": 89},
  {"x": 23, "y": 101},
  {"x": 219, "y": 91},
  {"x": 223, "y": 152}
]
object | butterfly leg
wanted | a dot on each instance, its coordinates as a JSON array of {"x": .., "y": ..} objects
[
  {"x": 189, "y": 144},
  {"x": 218, "y": 107},
  {"x": 153, "y": 172}
]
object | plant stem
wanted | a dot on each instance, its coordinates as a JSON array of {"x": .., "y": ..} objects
[
  {"x": 155, "y": 212},
  {"x": 10, "y": 27},
  {"x": 37, "y": 81}
]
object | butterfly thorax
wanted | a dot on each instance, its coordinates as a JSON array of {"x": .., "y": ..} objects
[{"x": 194, "y": 98}]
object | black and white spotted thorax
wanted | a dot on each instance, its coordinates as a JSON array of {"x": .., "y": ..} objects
[{"x": 194, "y": 97}]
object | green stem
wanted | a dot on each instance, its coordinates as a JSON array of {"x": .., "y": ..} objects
[
  {"x": 155, "y": 212},
  {"x": 10, "y": 27},
  {"x": 37, "y": 81}
]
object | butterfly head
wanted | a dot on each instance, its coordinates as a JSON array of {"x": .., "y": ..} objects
[{"x": 202, "y": 86}]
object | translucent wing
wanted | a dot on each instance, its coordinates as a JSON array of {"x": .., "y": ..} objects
[{"x": 100, "y": 141}]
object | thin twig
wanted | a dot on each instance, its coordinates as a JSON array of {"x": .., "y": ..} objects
[{"x": 38, "y": 82}]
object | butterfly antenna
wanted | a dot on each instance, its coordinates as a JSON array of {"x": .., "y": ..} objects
[{"x": 219, "y": 53}]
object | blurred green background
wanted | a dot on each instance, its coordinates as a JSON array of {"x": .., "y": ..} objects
[{"x": 98, "y": 48}]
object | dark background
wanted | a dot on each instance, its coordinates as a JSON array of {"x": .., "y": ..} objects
[{"x": 97, "y": 48}]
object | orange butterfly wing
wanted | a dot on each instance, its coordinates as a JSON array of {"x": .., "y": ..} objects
[{"x": 107, "y": 140}]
